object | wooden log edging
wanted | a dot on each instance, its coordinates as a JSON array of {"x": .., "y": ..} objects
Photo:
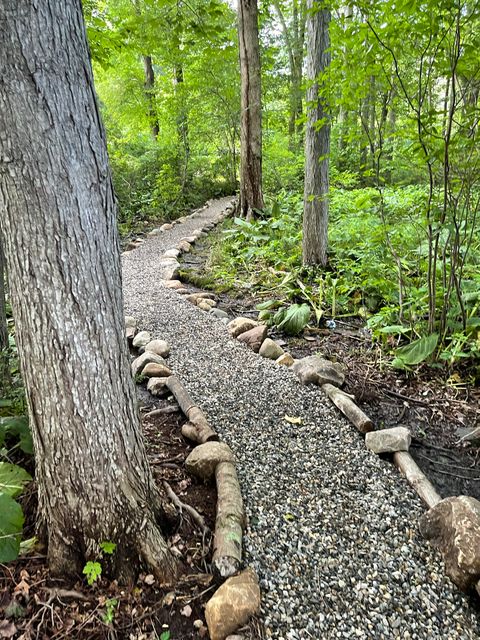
[
  {"x": 229, "y": 522},
  {"x": 416, "y": 478},
  {"x": 345, "y": 403},
  {"x": 197, "y": 428}
]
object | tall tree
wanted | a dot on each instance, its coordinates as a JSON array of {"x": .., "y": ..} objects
[
  {"x": 317, "y": 138},
  {"x": 3, "y": 306},
  {"x": 251, "y": 195},
  {"x": 58, "y": 221}
]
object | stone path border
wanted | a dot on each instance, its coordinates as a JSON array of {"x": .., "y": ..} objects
[{"x": 170, "y": 267}]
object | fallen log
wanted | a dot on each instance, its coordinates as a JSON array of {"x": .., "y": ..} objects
[
  {"x": 197, "y": 427},
  {"x": 347, "y": 406},
  {"x": 229, "y": 523},
  {"x": 416, "y": 478}
]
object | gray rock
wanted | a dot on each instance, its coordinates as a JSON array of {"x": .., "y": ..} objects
[
  {"x": 166, "y": 227},
  {"x": 317, "y": 370},
  {"x": 141, "y": 339},
  {"x": 240, "y": 325},
  {"x": 158, "y": 387},
  {"x": 130, "y": 326},
  {"x": 388, "y": 440},
  {"x": 233, "y": 604},
  {"x": 160, "y": 347},
  {"x": 174, "y": 284},
  {"x": 155, "y": 370},
  {"x": 270, "y": 349},
  {"x": 171, "y": 253},
  {"x": 146, "y": 358},
  {"x": 218, "y": 313},
  {"x": 202, "y": 461},
  {"x": 254, "y": 338},
  {"x": 453, "y": 527}
]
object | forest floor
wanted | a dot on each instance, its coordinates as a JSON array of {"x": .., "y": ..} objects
[{"x": 441, "y": 412}]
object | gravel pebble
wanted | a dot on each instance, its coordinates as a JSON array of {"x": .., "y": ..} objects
[{"x": 332, "y": 529}]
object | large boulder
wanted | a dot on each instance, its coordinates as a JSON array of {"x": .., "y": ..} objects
[
  {"x": 141, "y": 339},
  {"x": 388, "y": 440},
  {"x": 317, "y": 370},
  {"x": 240, "y": 325},
  {"x": 160, "y": 347},
  {"x": 233, "y": 604},
  {"x": 202, "y": 461},
  {"x": 270, "y": 349},
  {"x": 453, "y": 527},
  {"x": 141, "y": 362},
  {"x": 254, "y": 338}
]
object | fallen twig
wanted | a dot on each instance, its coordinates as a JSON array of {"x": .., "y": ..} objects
[{"x": 182, "y": 506}]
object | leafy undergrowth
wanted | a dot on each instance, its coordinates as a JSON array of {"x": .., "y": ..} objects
[{"x": 34, "y": 606}]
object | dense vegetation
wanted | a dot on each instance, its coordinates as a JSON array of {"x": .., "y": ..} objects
[{"x": 402, "y": 92}]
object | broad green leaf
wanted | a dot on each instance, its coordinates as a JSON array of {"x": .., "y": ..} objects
[
  {"x": 394, "y": 328},
  {"x": 18, "y": 426},
  {"x": 418, "y": 350},
  {"x": 295, "y": 319},
  {"x": 11, "y": 524},
  {"x": 12, "y": 479},
  {"x": 268, "y": 304}
]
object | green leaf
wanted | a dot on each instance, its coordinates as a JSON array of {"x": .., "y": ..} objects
[
  {"x": 93, "y": 570},
  {"x": 394, "y": 328},
  {"x": 108, "y": 547},
  {"x": 12, "y": 479},
  {"x": 268, "y": 304},
  {"x": 295, "y": 318},
  {"x": 418, "y": 350},
  {"x": 165, "y": 635},
  {"x": 11, "y": 524},
  {"x": 18, "y": 426}
]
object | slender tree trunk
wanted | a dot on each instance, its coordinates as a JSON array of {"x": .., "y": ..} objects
[
  {"x": 317, "y": 140},
  {"x": 251, "y": 196},
  {"x": 149, "y": 85},
  {"x": 61, "y": 245},
  {"x": 182, "y": 128}
]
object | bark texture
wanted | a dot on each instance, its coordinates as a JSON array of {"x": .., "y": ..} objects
[
  {"x": 3, "y": 307},
  {"x": 58, "y": 221},
  {"x": 251, "y": 195},
  {"x": 317, "y": 140}
]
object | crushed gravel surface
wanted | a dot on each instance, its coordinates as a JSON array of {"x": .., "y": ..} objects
[{"x": 332, "y": 527}]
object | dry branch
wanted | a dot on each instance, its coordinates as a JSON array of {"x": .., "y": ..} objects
[
  {"x": 229, "y": 523},
  {"x": 344, "y": 402},
  {"x": 415, "y": 476},
  {"x": 182, "y": 506},
  {"x": 197, "y": 427}
]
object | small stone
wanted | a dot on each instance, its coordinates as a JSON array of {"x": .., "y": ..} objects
[
  {"x": 218, "y": 313},
  {"x": 237, "y": 600},
  {"x": 240, "y": 325},
  {"x": 286, "y": 359},
  {"x": 168, "y": 599},
  {"x": 154, "y": 232},
  {"x": 198, "y": 624},
  {"x": 141, "y": 339},
  {"x": 166, "y": 227},
  {"x": 154, "y": 370},
  {"x": 158, "y": 387},
  {"x": 150, "y": 579},
  {"x": 184, "y": 246},
  {"x": 388, "y": 440},
  {"x": 183, "y": 291},
  {"x": 160, "y": 347},
  {"x": 453, "y": 527},
  {"x": 146, "y": 358},
  {"x": 254, "y": 337},
  {"x": 204, "y": 306},
  {"x": 130, "y": 326},
  {"x": 174, "y": 284},
  {"x": 270, "y": 349},
  {"x": 317, "y": 370},
  {"x": 190, "y": 239},
  {"x": 202, "y": 461},
  {"x": 186, "y": 611},
  {"x": 171, "y": 253},
  {"x": 171, "y": 272},
  {"x": 201, "y": 295}
]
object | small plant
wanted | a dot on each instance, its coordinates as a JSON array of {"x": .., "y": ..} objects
[
  {"x": 110, "y": 606},
  {"x": 165, "y": 635},
  {"x": 93, "y": 571}
]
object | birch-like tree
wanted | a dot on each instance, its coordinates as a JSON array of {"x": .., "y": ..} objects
[
  {"x": 251, "y": 195},
  {"x": 59, "y": 226},
  {"x": 317, "y": 138}
]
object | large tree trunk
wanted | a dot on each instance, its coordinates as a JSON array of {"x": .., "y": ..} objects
[
  {"x": 149, "y": 85},
  {"x": 317, "y": 140},
  {"x": 251, "y": 196},
  {"x": 58, "y": 222},
  {"x": 3, "y": 306}
]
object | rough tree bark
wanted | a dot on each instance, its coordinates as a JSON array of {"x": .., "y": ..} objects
[
  {"x": 317, "y": 139},
  {"x": 3, "y": 306},
  {"x": 149, "y": 85},
  {"x": 251, "y": 195},
  {"x": 61, "y": 246}
]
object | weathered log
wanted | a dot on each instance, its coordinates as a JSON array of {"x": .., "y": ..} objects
[
  {"x": 416, "y": 478},
  {"x": 229, "y": 523},
  {"x": 347, "y": 406},
  {"x": 197, "y": 428}
]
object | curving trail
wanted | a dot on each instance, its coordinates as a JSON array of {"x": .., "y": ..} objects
[{"x": 332, "y": 528}]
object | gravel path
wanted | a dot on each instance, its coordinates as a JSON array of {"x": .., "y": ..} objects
[{"x": 332, "y": 528}]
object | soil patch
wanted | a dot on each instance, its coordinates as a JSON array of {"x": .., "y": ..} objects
[{"x": 34, "y": 606}]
